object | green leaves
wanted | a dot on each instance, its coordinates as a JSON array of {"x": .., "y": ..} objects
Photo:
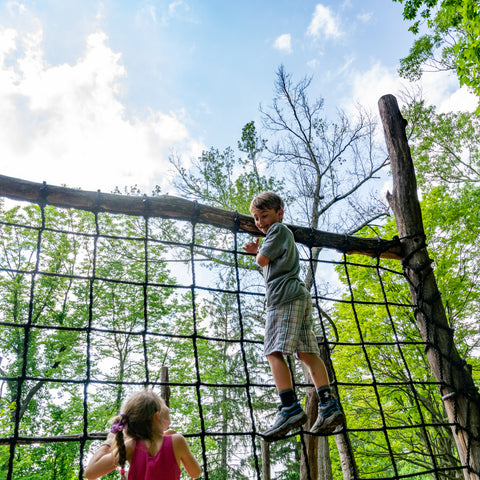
[
  {"x": 451, "y": 41},
  {"x": 223, "y": 180}
]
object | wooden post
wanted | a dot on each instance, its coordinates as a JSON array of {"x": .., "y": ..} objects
[
  {"x": 459, "y": 393},
  {"x": 342, "y": 440},
  {"x": 165, "y": 389},
  {"x": 310, "y": 471},
  {"x": 265, "y": 460},
  {"x": 317, "y": 448}
]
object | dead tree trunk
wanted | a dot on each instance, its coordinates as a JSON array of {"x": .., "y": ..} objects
[
  {"x": 342, "y": 439},
  {"x": 459, "y": 394}
]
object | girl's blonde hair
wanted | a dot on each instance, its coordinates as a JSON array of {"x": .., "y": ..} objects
[{"x": 136, "y": 421}]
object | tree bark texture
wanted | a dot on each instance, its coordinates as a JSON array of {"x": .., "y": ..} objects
[
  {"x": 459, "y": 393},
  {"x": 342, "y": 439}
]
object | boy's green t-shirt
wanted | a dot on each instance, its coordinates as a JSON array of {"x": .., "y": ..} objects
[{"x": 281, "y": 274}]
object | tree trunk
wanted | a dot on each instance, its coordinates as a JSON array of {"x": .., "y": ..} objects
[
  {"x": 342, "y": 440},
  {"x": 317, "y": 448},
  {"x": 324, "y": 467},
  {"x": 459, "y": 393}
]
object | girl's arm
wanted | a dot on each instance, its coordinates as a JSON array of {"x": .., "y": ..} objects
[
  {"x": 185, "y": 457},
  {"x": 102, "y": 462},
  {"x": 105, "y": 459}
]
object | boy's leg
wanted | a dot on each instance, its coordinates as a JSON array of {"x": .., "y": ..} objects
[
  {"x": 280, "y": 371},
  {"x": 316, "y": 367},
  {"x": 282, "y": 378},
  {"x": 290, "y": 413},
  {"x": 330, "y": 414}
]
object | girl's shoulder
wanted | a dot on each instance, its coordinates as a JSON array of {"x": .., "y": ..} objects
[
  {"x": 130, "y": 447},
  {"x": 178, "y": 441},
  {"x": 177, "y": 437}
]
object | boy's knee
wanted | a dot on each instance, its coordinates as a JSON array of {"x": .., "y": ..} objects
[
  {"x": 302, "y": 356},
  {"x": 274, "y": 355},
  {"x": 307, "y": 358}
]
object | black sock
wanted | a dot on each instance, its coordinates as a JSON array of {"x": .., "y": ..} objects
[
  {"x": 287, "y": 397},
  {"x": 324, "y": 393}
]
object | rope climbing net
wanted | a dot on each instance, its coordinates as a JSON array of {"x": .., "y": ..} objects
[{"x": 101, "y": 293}]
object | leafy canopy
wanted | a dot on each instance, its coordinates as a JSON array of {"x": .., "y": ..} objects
[{"x": 451, "y": 40}]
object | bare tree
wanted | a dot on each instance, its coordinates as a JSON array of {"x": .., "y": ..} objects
[{"x": 330, "y": 164}]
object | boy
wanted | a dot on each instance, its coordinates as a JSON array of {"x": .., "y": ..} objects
[{"x": 288, "y": 328}]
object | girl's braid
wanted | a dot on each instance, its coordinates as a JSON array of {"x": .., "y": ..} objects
[
  {"x": 122, "y": 454},
  {"x": 117, "y": 428}
]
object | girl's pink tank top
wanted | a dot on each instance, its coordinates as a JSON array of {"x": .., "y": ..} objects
[{"x": 162, "y": 466}]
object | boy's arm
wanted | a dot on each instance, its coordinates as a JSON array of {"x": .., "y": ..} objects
[
  {"x": 252, "y": 247},
  {"x": 262, "y": 260}
]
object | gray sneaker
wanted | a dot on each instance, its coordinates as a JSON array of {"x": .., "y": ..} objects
[
  {"x": 330, "y": 415},
  {"x": 287, "y": 419}
]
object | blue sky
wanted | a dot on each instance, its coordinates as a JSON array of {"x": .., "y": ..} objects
[{"x": 95, "y": 94}]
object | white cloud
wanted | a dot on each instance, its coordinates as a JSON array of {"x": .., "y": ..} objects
[
  {"x": 368, "y": 86},
  {"x": 438, "y": 88},
  {"x": 442, "y": 89},
  {"x": 177, "y": 6},
  {"x": 15, "y": 7},
  {"x": 66, "y": 124},
  {"x": 284, "y": 43},
  {"x": 324, "y": 23},
  {"x": 365, "y": 17},
  {"x": 163, "y": 14}
]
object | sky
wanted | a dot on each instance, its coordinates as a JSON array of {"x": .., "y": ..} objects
[{"x": 99, "y": 94}]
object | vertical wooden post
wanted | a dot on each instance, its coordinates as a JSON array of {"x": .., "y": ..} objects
[
  {"x": 310, "y": 471},
  {"x": 317, "y": 448},
  {"x": 459, "y": 394},
  {"x": 342, "y": 440},
  {"x": 265, "y": 460},
  {"x": 165, "y": 389}
]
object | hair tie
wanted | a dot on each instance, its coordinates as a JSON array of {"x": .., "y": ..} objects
[{"x": 118, "y": 426}]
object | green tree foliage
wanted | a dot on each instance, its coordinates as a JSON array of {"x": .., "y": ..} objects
[
  {"x": 396, "y": 393},
  {"x": 447, "y": 160},
  {"x": 445, "y": 153},
  {"x": 320, "y": 168},
  {"x": 451, "y": 40},
  {"x": 222, "y": 179},
  {"x": 84, "y": 298},
  {"x": 230, "y": 181}
]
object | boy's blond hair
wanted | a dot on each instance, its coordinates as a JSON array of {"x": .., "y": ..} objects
[{"x": 267, "y": 200}]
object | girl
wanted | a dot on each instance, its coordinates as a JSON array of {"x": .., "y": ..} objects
[{"x": 140, "y": 436}]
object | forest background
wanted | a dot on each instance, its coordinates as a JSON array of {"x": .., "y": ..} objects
[{"x": 333, "y": 172}]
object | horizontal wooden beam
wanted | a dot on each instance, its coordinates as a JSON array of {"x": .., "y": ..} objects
[{"x": 168, "y": 206}]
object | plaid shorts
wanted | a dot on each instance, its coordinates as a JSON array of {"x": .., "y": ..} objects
[{"x": 289, "y": 328}]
